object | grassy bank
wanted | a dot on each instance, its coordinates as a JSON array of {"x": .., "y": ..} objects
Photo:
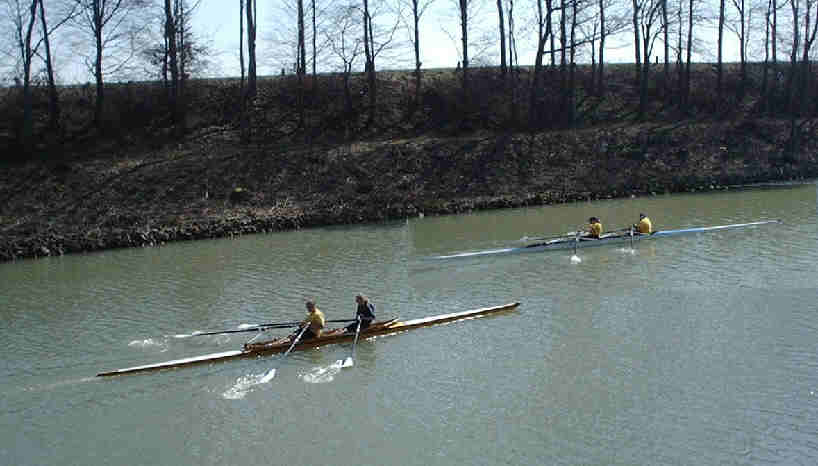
[{"x": 134, "y": 184}]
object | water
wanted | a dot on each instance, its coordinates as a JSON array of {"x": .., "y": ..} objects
[{"x": 695, "y": 349}]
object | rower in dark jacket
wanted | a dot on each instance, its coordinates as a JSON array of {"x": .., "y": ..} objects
[{"x": 365, "y": 312}]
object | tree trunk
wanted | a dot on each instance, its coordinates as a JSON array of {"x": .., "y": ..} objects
[
  {"x": 98, "y": 77},
  {"x": 514, "y": 107},
  {"x": 637, "y": 43},
  {"x": 545, "y": 32},
  {"x": 464, "y": 39},
  {"x": 172, "y": 54},
  {"x": 645, "y": 72},
  {"x": 600, "y": 68},
  {"x": 314, "y": 47},
  {"x": 765, "y": 83},
  {"x": 181, "y": 100},
  {"x": 502, "y": 38},
  {"x": 571, "y": 88},
  {"x": 369, "y": 51},
  {"x": 53, "y": 95},
  {"x": 665, "y": 32},
  {"x": 689, "y": 53},
  {"x": 241, "y": 44},
  {"x": 791, "y": 96},
  {"x": 416, "y": 17},
  {"x": 24, "y": 38},
  {"x": 719, "y": 64},
  {"x": 301, "y": 68},
  {"x": 251, "y": 48}
]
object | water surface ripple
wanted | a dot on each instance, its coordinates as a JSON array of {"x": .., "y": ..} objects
[{"x": 696, "y": 349}]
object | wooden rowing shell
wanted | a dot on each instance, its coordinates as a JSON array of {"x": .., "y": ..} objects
[{"x": 334, "y": 336}]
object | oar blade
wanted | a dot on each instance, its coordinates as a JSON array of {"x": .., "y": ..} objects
[{"x": 348, "y": 362}]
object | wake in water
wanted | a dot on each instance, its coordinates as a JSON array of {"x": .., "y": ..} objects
[
  {"x": 243, "y": 386},
  {"x": 323, "y": 374},
  {"x": 149, "y": 342},
  {"x": 320, "y": 374}
]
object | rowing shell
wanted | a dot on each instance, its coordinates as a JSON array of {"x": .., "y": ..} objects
[
  {"x": 331, "y": 337},
  {"x": 605, "y": 239}
]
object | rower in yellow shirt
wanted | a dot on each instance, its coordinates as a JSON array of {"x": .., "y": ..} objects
[
  {"x": 315, "y": 322},
  {"x": 594, "y": 228},
  {"x": 644, "y": 227}
]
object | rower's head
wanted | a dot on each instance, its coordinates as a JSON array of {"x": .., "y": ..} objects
[
  {"x": 310, "y": 305},
  {"x": 593, "y": 220},
  {"x": 360, "y": 299},
  {"x": 641, "y": 216}
]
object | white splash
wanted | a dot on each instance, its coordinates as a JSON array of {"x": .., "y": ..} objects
[
  {"x": 244, "y": 385},
  {"x": 146, "y": 343},
  {"x": 323, "y": 374},
  {"x": 575, "y": 259}
]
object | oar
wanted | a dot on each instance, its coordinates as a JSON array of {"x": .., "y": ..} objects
[
  {"x": 263, "y": 327},
  {"x": 544, "y": 238},
  {"x": 631, "y": 233},
  {"x": 575, "y": 258},
  {"x": 272, "y": 372},
  {"x": 257, "y": 328},
  {"x": 348, "y": 361}
]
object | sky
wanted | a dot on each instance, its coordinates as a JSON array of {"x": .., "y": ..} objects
[{"x": 217, "y": 21}]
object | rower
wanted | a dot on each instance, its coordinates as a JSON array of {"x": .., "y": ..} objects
[
  {"x": 315, "y": 321},
  {"x": 644, "y": 227},
  {"x": 594, "y": 228},
  {"x": 365, "y": 312}
]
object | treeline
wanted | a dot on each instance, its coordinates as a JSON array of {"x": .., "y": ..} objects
[{"x": 357, "y": 39}]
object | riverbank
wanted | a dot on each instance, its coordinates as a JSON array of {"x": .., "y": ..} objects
[{"x": 211, "y": 186}]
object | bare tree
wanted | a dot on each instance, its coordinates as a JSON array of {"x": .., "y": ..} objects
[
  {"x": 463, "y": 7},
  {"x": 544, "y": 34},
  {"x": 609, "y": 20},
  {"x": 689, "y": 52},
  {"x": 24, "y": 17},
  {"x": 666, "y": 35},
  {"x": 250, "y": 11},
  {"x": 184, "y": 53},
  {"x": 301, "y": 67},
  {"x": 63, "y": 16},
  {"x": 27, "y": 42},
  {"x": 647, "y": 18},
  {"x": 314, "y": 38},
  {"x": 345, "y": 40},
  {"x": 741, "y": 28},
  {"x": 720, "y": 45},
  {"x": 113, "y": 26},
  {"x": 241, "y": 43},
  {"x": 412, "y": 24},
  {"x": 374, "y": 43},
  {"x": 502, "y": 37},
  {"x": 801, "y": 71},
  {"x": 637, "y": 42},
  {"x": 512, "y": 60},
  {"x": 171, "y": 58}
]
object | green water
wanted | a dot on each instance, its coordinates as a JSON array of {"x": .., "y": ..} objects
[{"x": 696, "y": 349}]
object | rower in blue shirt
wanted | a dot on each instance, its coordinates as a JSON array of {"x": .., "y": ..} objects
[{"x": 365, "y": 312}]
